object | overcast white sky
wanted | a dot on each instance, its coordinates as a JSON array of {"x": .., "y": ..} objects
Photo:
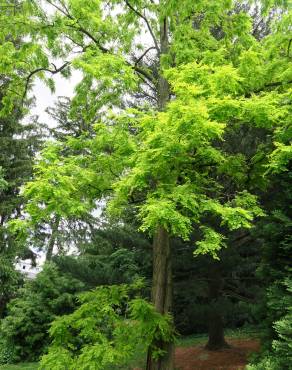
[{"x": 44, "y": 97}]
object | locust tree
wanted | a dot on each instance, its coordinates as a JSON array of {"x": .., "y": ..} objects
[{"x": 162, "y": 81}]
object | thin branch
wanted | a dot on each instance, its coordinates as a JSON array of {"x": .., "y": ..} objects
[
  {"x": 59, "y": 8},
  {"x": 147, "y": 24},
  {"x": 80, "y": 28},
  {"x": 143, "y": 55},
  {"x": 145, "y": 94},
  {"x": 274, "y": 84},
  {"x": 148, "y": 84},
  {"x": 238, "y": 296},
  {"x": 83, "y": 47},
  {"x": 103, "y": 49},
  {"x": 41, "y": 69}
]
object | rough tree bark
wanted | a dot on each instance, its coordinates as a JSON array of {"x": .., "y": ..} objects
[
  {"x": 162, "y": 295},
  {"x": 215, "y": 317}
]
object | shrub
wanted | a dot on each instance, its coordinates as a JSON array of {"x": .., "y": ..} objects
[
  {"x": 24, "y": 331},
  {"x": 106, "y": 330},
  {"x": 279, "y": 357}
]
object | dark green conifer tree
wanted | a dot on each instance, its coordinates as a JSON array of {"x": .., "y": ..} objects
[{"x": 19, "y": 142}]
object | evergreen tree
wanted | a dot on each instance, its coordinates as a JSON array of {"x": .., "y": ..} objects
[
  {"x": 24, "y": 331},
  {"x": 238, "y": 297},
  {"x": 19, "y": 143},
  {"x": 275, "y": 269},
  {"x": 115, "y": 254}
]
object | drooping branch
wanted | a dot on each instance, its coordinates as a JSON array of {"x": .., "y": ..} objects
[{"x": 42, "y": 69}]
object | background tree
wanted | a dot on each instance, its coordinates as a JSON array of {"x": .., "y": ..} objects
[
  {"x": 275, "y": 233},
  {"x": 19, "y": 140},
  {"x": 238, "y": 297},
  {"x": 24, "y": 331},
  {"x": 19, "y": 143}
]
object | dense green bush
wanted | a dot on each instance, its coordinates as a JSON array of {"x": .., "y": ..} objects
[
  {"x": 106, "y": 330},
  {"x": 24, "y": 331},
  {"x": 279, "y": 356},
  {"x": 10, "y": 281}
]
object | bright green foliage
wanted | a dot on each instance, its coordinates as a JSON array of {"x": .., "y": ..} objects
[
  {"x": 18, "y": 141},
  {"x": 24, "y": 331},
  {"x": 280, "y": 157},
  {"x": 57, "y": 188},
  {"x": 172, "y": 151},
  {"x": 173, "y": 156},
  {"x": 171, "y": 164},
  {"x": 211, "y": 243},
  {"x": 21, "y": 52},
  {"x": 106, "y": 330}
]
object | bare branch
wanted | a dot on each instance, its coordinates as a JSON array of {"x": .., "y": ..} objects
[{"x": 146, "y": 82}]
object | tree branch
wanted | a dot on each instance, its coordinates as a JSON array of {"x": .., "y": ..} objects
[
  {"x": 272, "y": 84},
  {"x": 58, "y": 8},
  {"x": 41, "y": 69},
  {"x": 103, "y": 49},
  {"x": 143, "y": 55},
  {"x": 147, "y": 24}
]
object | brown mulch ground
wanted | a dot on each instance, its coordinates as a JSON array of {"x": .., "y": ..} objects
[{"x": 233, "y": 358}]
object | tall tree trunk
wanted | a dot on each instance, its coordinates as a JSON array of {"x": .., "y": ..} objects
[
  {"x": 162, "y": 295},
  {"x": 215, "y": 315},
  {"x": 52, "y": 240},
  {"x": 162, "y": 266}
]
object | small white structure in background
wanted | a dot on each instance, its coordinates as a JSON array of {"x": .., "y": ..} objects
[{"x": 25, "y": 267}]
